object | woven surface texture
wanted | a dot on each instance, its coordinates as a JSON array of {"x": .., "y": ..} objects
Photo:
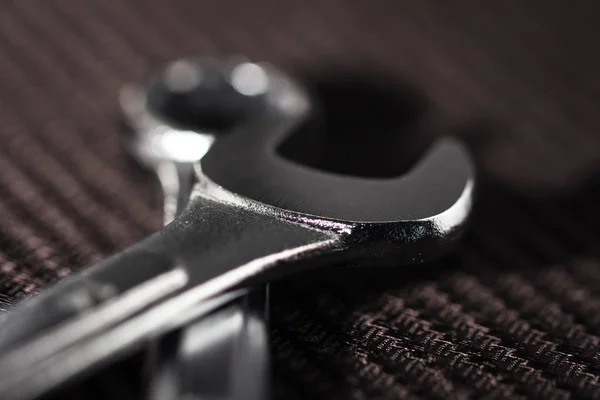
[{"x": 514, "y": 312}]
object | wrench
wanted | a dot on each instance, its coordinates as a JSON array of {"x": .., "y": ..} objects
[{"x": 253, "y": 216}]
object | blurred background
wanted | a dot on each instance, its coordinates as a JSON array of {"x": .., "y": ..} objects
[{"x": 514, "y": 312}]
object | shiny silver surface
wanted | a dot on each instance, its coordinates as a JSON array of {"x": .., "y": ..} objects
[
  {"x": 248, "y": 222},
  {"x": 207, "y": 368}
]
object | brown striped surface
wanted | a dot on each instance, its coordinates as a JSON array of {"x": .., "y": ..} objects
[{"x": 514, "y": 312}]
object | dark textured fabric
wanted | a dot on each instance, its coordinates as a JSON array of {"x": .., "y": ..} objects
[{"x": 514, "y": 312}]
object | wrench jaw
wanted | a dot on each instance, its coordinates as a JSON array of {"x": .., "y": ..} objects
[
  {"x": 411, "y": 216},
  {"x": 390, "y": 244},
  {"x": 405, "y": 219},
  {"x": 362, "y": 243}
]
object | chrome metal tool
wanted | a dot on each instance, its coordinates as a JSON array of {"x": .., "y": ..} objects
[
  {"x": 224, "y": 355},
  {"x": 253, "y": 216}
]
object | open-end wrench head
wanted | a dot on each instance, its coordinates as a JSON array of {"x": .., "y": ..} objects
[
  {"x": 255, "y": 108},
  {"x": 427, "y": 206}
]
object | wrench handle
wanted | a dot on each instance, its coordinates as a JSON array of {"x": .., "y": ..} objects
[{"x": 146, "y": 290}]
